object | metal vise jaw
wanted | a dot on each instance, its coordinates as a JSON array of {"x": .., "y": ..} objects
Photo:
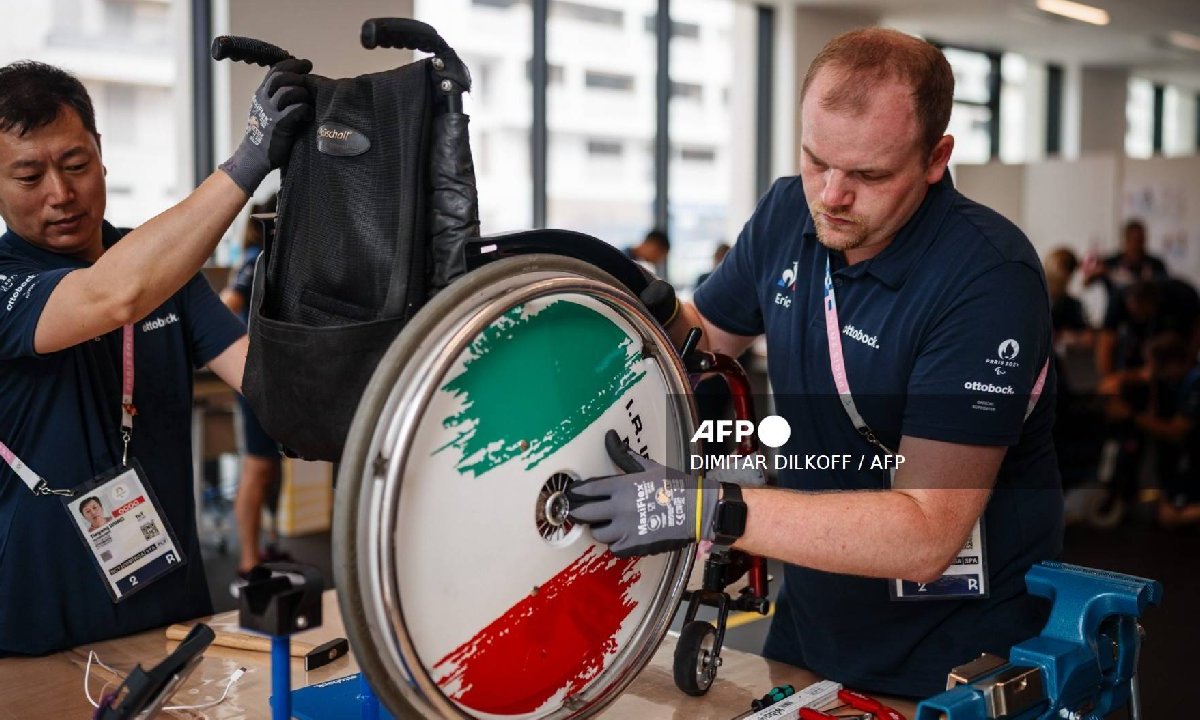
[{"x": 1081, "y": 667}]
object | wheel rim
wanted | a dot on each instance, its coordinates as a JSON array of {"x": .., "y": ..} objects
[
  {"x": 706, "y": 669},
  {"x": 509, "y": 611}
]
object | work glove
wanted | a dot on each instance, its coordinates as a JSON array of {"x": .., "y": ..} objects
[
  {"x": 650, "y": 509},
  {"x": 658, "y": 297},
  {"x": 280, "y": 103}
]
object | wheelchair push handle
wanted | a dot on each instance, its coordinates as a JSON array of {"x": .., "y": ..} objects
[
  {"x": 247, "y": 50},
  {"x": 404, "y": 33}
]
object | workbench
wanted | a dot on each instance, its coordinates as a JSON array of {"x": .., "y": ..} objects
[{"x": 51, "y": 687}]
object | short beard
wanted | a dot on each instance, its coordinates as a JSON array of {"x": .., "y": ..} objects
[{"x": 839, "y": 241}]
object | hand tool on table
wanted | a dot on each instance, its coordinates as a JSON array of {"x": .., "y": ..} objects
[
  {"x": 315, "y": 656},
  {"x": 777, "y": 693},
  {"x": 819, "y": 694},
  {"x": 1083, "y": 665},
  {"x": 871, "y": 709}
]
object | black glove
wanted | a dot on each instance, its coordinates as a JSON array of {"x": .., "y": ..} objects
[
  {"x": 659, "y": 298},
  {"x": 651, "y": 509},
  {"x": 279, "y": 104}
]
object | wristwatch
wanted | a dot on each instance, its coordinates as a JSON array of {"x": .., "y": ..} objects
[{"x": 729, "y": 521}]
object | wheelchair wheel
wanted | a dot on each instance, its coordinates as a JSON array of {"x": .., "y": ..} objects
[
  {"x": 465, "y": 590},
  {"x": 695, "y": 663}
]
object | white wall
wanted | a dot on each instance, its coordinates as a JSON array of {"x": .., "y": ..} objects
[
  {"x": 1083, "y": 203},
  {"x": 1002, "y": 185}
]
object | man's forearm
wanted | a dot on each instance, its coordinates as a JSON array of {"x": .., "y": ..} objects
[
  {"x": 882, "y": 534},
  {"x": 153, "y": 261},
  {"x": 713, "y": 339},
  {"x": 139, "y": 273}
]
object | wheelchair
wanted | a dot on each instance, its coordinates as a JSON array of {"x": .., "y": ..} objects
[{"x": 465, "y": 589}]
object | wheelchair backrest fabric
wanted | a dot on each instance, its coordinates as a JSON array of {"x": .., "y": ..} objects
[{"x": 375, "y": 206}]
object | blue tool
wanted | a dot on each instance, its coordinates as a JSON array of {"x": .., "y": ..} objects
[{"x": 1083, "y": 665}]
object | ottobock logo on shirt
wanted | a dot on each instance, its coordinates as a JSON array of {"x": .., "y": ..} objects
[
  {"x": 989, "y": 388},
  {"x": 871, "y": 341},
  {"x": 787, "y": 281},
  {"x": 26, "y": 287},
  {"x": 160, "y": 322}
]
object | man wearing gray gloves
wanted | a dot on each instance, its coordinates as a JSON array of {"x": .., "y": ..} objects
[
  {"x": 100, "y": 330},
  {"x": 903, "y": 321}
]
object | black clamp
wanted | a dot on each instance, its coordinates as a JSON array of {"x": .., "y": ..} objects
[{"x": 274, "y": 603}]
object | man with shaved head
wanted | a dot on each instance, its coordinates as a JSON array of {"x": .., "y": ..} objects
[{"x": 902, "y": 320}]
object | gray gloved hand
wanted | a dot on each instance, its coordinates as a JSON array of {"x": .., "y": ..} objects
[
  {"x": 280, "y": 103},
  {"x": 650, "y": 509}
]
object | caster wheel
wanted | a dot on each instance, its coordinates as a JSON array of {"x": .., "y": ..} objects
[{"x": 695, "y": 663}]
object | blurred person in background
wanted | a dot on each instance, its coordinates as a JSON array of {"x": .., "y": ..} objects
[
  {"x": 1066, "y": 312},
  {"x": 1130, "y": 265},
  {"x": 1077, "y": 444},
  {"x": 718, "y": 256},
  {"x": 1162, "y": 400},
  {"x": 652, "y": 252}
]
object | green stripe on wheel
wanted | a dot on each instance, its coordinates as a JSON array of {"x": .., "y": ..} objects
[{"x": 541, "y": 378}]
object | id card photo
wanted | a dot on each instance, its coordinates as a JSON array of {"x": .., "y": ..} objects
[{"x": 123, "y": 529}]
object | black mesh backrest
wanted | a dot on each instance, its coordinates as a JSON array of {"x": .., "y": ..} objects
[{"x": 352, "y": 229}]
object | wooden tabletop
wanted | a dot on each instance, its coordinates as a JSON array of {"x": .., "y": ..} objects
[{"x": 51, "y": 687}]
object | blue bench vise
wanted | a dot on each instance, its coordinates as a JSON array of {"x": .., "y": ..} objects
[{"x": 1083, "y": 665}]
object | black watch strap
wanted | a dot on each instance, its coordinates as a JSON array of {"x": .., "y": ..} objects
[{"x": 730, "y": 521}]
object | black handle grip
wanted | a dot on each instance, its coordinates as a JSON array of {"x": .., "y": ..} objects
[
  {"x": 402, "y": 33},
  {"x": 247, "y": 50}
]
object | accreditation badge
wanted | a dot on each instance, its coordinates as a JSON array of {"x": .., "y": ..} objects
[
  {"x": 965, "y": 579},
  {"x": 124, "y": 529}
]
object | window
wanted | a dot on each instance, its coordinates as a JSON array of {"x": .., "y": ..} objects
[
  {"x": 1023, "y": 109},
  {"x": 598, "y": 179},
  {"x": 120, "y": 114},
  {"x": 690, "y": 31},
  {"x": 973, "y": 120},
  {"x": 554, "y": 73},
  {"x": 687, "y": 91},
  {"x": 700, "y": 172},
  {"x": 118, "y": 19},
  {"x": 704, "y": 155},
  {"x": 142, "y": 106},
  {"x": 587, "y": 13},
  {"x": 1139, "y": 117},
  {"x": 499, "y": 104},
  {"x": 1179, "y": 122},
  {"x": 608, "y": 81},
  {"x": 605, "y": 148}
]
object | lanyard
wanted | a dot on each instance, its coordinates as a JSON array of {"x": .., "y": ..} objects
[
  {"x": 837, "y": 364},
  {"x": 38, "y": 485}
]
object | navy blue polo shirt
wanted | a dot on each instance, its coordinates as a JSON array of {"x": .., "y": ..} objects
[
  {"x": 943, "y": 333},
  {"x": 60, "y": 413}
]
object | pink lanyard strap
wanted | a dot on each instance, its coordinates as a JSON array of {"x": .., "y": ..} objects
[
  {"x": 837, "y": 365},
  {"x": 127, "y": 408},
  {"x": 37, "y": 485}
]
